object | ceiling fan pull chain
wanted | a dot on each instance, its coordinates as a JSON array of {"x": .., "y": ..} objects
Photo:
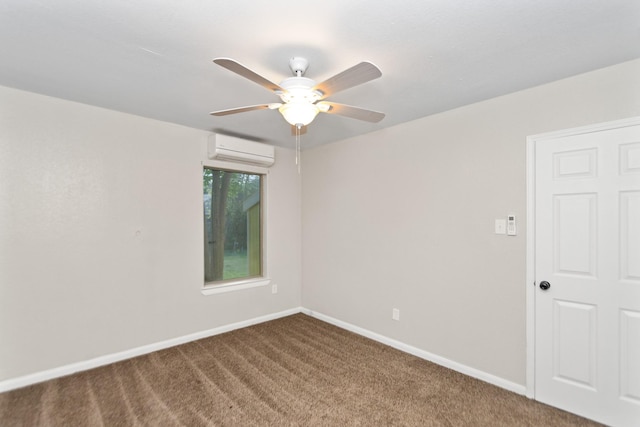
[{"x": 298, "y": 160}]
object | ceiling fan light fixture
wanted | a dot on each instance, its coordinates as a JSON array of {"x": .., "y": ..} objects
[
  {"x": 302, "y": 99},
  {"x": 299, "y": 113}
]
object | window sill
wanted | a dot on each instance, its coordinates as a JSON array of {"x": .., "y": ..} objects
[{"x": 235, "y": 286}]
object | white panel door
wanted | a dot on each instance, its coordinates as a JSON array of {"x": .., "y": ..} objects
[{"x": 587, "y": 256}]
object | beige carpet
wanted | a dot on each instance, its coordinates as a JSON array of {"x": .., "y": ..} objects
[{"x": 295, "y": 371}]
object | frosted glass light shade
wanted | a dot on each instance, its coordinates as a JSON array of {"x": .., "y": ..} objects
[{"x": 299, "y": 113}]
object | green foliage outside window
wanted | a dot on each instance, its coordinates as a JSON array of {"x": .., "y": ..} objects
[{"x": 232, "y": 225}]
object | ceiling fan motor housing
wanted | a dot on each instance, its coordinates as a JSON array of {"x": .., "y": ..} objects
[{"x": 299, "y": 89}]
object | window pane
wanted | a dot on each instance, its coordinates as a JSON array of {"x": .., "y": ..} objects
[{"x": 232, "y": 225}]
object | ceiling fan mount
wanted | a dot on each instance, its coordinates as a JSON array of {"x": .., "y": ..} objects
[
  {"x": 302, "y": 98},
  {"x": 298, "y": 65}
]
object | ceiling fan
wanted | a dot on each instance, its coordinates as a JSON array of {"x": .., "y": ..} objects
[{"x": 302, "y": 98}]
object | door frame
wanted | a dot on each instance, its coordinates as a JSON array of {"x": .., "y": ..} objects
[{"x": 530, "y": 232}]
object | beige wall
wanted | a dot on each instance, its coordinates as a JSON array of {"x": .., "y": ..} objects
[
  {"x": 77, "y": 280},
  {"x": 404, "y": 218}
]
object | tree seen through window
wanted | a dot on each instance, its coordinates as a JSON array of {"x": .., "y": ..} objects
[{"x": 232, "y": 225}]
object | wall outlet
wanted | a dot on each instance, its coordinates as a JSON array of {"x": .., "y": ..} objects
[
  {"x": 395, "y": 314},
  {"x": 274, "y": 289}
]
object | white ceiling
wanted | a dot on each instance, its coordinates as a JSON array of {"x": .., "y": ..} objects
[{"x": 153, "y": 58}]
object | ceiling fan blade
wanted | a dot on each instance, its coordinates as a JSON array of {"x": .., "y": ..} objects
[
  {"x": 354, "y": 76},
  {"x": 303, "y": 130},
  {"x": 241, "y": 109},
  {"x": 238, "y": 68},
  {"x": 350, "y": 111}
]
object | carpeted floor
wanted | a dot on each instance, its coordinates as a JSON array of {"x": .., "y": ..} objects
[{"x": 294, "y": 371}]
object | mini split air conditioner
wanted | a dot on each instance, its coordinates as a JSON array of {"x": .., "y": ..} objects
[{"x": 229, "y": 148}]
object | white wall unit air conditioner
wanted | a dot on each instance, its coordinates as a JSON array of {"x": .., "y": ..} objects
[{"x": 229, "y": 148}]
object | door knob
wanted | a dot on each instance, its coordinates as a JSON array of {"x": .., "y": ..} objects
[{"x": 544, "y": 285}]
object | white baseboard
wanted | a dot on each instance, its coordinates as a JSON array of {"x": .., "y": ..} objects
[
  {"x": 472, "y": 372},
  {"x": 85, "y": 365},
  {"x": 61, "y": 371}
]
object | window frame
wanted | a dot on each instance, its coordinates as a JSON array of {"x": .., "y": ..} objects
[{"x": 212, "y": 288}]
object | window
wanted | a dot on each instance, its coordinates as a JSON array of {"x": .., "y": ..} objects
[{"x": 233, "y": 210}]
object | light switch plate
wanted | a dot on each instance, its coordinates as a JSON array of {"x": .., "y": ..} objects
[{"x": 501, "y": 226}]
